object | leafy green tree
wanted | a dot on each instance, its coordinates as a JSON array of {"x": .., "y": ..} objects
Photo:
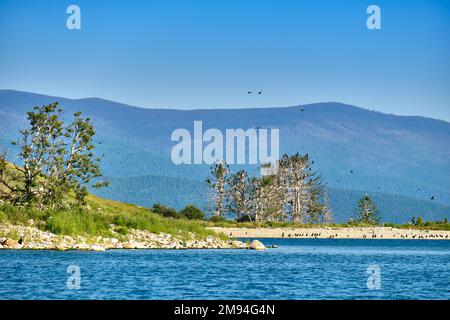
[
  {"x": 191, "y": 212},
  {"x": 56, "y": 160},
  {"x": 367, "y": 211}
]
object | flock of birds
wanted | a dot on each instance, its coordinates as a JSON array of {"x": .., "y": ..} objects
[
  {"x": 365, "y": 236},
  {"x": 302, "y": 109}
]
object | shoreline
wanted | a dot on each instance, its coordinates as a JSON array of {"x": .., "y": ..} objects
[
  {"x": 334, "y": 233},
  {"x": 36, "y": 239}
]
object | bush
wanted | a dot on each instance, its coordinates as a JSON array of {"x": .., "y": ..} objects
[
  {"x": 122, "y": 230},
  {"x": 192, "y": 213},
  {"x": 216, "y": 219},
  {"x": 165, "y": 211},
  {"x": 245, "y": 218}
]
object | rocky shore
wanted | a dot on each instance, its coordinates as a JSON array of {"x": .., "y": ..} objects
[{"x": 31, "y": 238}]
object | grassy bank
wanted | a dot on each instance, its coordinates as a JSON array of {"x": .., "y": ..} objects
[{"x": 95, "y": 220}]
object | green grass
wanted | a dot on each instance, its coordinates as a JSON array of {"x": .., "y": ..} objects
[
  {"x": 96, "y": 217},
  {"x": 99, "y": 214}
]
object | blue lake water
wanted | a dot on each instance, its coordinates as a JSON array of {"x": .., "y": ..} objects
[{"x": 297, "y": 269}]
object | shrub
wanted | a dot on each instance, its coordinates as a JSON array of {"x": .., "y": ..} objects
[
  {"x": 192, "y": 213},
  {"x": 122, "y": 230},
  {"x": 165, "y": 211}
]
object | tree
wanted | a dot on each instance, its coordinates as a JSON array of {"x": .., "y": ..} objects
[
  {"x": 305, "y": 198},
  {"x": 56, "y": 160},
  {"x": 8, "y": 176},
  {"x": 268, "y": 199},
  {"x": 192, "y": 213},
  {"x": 240, "y": 200},
  {"x": 292, "y": 175},
  {"x": 317, "y": 210},
  {"x": 217, "y": 184},
  {"x": 367, "y": 211},
  {"x": 294, "y": 192}
]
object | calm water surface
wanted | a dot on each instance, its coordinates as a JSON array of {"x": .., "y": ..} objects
[{"x": 297, "y": 269}]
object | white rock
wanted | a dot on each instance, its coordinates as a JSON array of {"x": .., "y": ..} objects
[
  {"x": 97, "y": 248},
  {"x": 256, "y": 245}
]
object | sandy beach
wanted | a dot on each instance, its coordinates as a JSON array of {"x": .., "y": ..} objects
[{"x": 335, "y": 233}]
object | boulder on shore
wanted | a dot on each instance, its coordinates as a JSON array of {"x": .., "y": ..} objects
[
  {"x": 257, "y": 245},
  {"x": 97, "y": 248}
]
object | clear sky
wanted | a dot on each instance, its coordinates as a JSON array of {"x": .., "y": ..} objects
[{"x": 208, "y": 54}]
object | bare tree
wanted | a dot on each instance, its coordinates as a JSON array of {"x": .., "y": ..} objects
[
  {"x": 293, "y": 174},
  {"x": 292, "y": 193},
  {"x": 241, "y": 192},
  {"x": 268, "y": 199},
  {"x": 217, "y": 183}
]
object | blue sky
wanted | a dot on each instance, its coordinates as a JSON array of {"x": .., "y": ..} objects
[{"x": 208, "y": 54}]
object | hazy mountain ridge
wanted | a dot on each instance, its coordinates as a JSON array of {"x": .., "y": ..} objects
[{"x": 392, "y": 155}]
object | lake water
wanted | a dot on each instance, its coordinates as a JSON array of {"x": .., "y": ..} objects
[{"x": 297, "y": 269}]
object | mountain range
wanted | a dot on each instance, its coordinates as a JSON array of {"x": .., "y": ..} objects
[{"x": 402, "y": 161}]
